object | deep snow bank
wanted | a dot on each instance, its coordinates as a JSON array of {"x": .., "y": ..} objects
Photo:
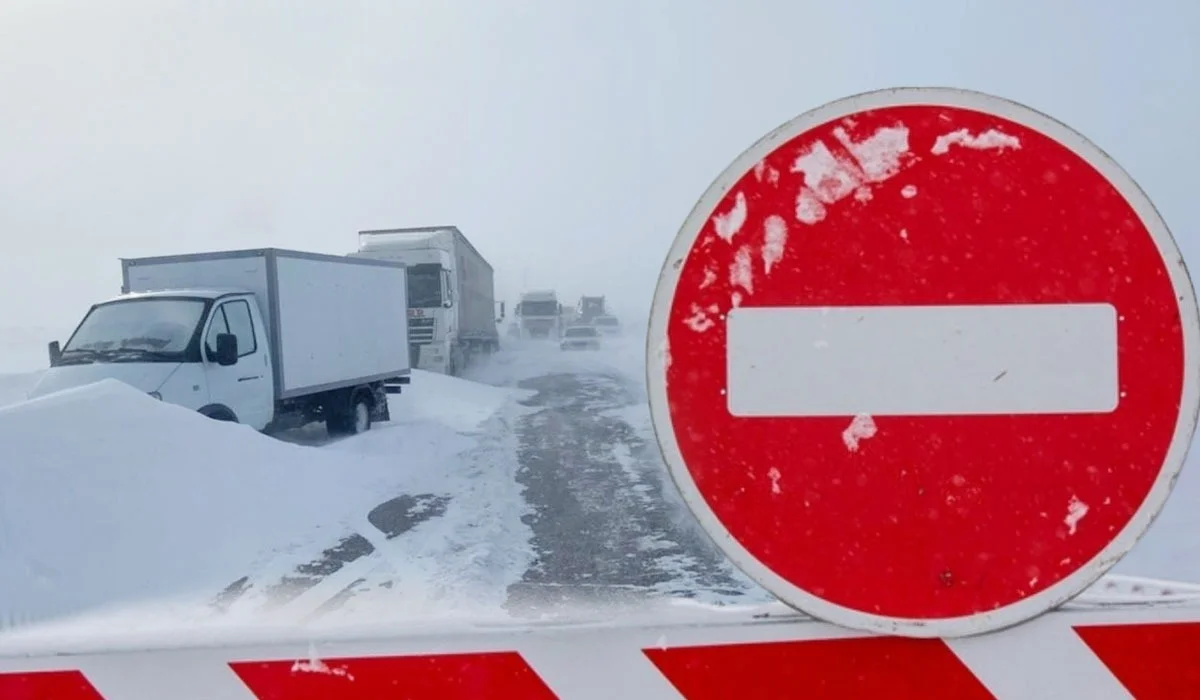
[
  {"x": 109, "y": 496},
  {"x": 15, "y": 388},
  {"x": 459, "y": 404}
]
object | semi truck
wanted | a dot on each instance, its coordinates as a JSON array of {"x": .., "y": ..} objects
[
  {"x": 539, "y": 314},
  {"x": 589, "y": 308},
  {"x": 271, "y": 338},
  {"x": 452, "y": 309}
]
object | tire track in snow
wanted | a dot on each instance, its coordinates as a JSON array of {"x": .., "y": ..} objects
[{"x": 605, "y": 531}]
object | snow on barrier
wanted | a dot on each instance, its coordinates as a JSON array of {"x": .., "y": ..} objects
[{"x": 941, "y": 512}]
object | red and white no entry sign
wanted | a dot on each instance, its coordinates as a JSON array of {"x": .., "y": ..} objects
[{"x": 923, "y": 361}]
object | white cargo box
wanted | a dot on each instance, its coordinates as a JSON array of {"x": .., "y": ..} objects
[{"x": 332, "y": 320}]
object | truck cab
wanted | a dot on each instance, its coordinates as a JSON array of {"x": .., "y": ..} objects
[
  {"x": 451, "y": 306},
  {"x": 206, "y": 350},
  {"x": 539, "y": 314}
]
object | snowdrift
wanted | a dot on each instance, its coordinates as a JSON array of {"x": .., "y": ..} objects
[
  {"x": 109, "y": 496},
  {"x": 15, "y": 388},
  {"x": 459, "y": 404}
]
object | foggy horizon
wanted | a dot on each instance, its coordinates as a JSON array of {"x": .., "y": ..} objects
[{"x": 567, "y": 142}]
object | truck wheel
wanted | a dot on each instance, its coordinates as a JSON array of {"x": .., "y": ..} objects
[
  {"x": 219, "y": 413},
  {"x": 352, "y": 418},
  {"x": 360, "y": 421}
]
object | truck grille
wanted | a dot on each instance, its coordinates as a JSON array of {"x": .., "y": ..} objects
[{"x": 420, "y": 331}]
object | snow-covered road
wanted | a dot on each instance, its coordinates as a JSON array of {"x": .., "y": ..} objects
[{"x": 560, "y": 502}]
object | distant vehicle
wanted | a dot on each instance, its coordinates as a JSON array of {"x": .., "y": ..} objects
[
  {"x": 589, "y": 308},
  {"x": 452, "y": 309},
  {"x": 580, "y": 338},
  {"x": 539, "y": 314},
  {"x": 607, "y": 324},
  {"x": 269, "y": 338}
]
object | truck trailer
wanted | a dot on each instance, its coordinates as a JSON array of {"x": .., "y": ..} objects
[
  {"x": 270, "y": 338},
  {"x": 452, "y": 307},
  {"x": 589, "y": 308}
]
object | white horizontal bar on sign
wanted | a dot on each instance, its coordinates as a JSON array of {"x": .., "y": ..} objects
[{"x": 922, "y": 360}]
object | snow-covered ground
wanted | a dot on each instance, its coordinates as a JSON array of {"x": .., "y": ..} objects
[
  {"x": 23, "y": 357},
  {"x": 109, "y": 498}
]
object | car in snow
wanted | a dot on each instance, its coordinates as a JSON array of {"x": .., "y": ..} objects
[
  {"x": 580, "y": 338},
  {"x": 607, "y": 324}
]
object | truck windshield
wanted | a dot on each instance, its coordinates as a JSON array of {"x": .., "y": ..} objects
[
  {"x": 136, "y": 330},
  {"x": 424, "y": 286},
  {"x": 539, "y": 308}
]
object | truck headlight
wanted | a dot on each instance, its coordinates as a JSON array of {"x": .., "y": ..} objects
[{"x": 156, "y": 395}]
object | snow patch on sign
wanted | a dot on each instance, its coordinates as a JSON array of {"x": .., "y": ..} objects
[
  {"x": 1076, "y": 509},
  {"x": 879, "y": 154},
  {"x": 774, "y": 240},
  {"x": 761, "y": 169},
  {"x": 830, "y": 178},
  {"x": 729, "y": 223},
  {"x": 700, "y": 321},
  {"x": 736, "y": 299},
  {"x": 741, "y": 270},
  {"x": 710, "y": 276},
  {"x": 775, "y": 476},
  {"x": 908, "y": 191},
  {"x": 827, "y": 176},
  {"x": 963, "y": 137},
  {"x": 809, "y": 209},
  {"x": 861, "y": 428}
]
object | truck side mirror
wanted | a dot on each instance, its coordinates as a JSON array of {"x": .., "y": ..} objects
[
  {"x": 501, "y": 319},
  {"x": 227, "y": 349},
  {"x": 55, "y": 352}
]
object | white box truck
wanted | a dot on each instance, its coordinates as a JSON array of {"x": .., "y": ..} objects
[
  {"x": 452, "y": 310},
  {"x": 270, "y": 338}
]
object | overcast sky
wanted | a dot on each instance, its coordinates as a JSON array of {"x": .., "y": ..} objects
[{"x": 568, "y": 140}]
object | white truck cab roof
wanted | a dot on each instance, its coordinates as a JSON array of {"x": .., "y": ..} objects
[{"x": 197, "y": 293}]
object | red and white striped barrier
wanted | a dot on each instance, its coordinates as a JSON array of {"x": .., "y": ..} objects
[{"x": 1139, "y": 647}]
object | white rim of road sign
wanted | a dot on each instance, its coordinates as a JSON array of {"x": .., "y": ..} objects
[{"x": 657, "y": 358}]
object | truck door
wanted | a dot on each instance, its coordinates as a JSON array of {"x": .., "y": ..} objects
[{"x": 246, "y": 387}]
